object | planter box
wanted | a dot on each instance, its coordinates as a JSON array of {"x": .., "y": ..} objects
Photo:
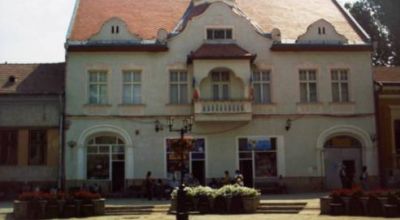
[
  {"x": 21, "y": 209},
  {"x": 325, "y": 203},
  {"x": 99, "y": 206},
  {"x": 250, "y": 204}
]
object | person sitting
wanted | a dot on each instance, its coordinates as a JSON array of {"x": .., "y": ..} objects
[
  {"x": 213, "y": 184},
  {"x": 239, "y": 181},
  {"x": 227, "y": 179}
]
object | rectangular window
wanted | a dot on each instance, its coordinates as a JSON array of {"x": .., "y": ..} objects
[
  {"x": 261, "y": 150},
  {"x": 98, "y": 87},
  {"x": 219, "y": 34},
  {"x": 178, "y": 87},
  {"x": 132, "y": 87},
  {"x": 340, "y": 85},
  {"x": 37, "y": 147},
  {"x": 220, "y": 85},
  {"x": 308, "y": 86},
  {"x": 262, "y": 87},
  {"x": 8, "y": 147},
  {"x": 397, "y": 136}
]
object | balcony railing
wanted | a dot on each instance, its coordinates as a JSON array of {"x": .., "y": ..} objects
[{"x": 229, "y": 110}]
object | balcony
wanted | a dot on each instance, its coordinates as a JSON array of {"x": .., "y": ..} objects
[{"x": 229, "y": 110}]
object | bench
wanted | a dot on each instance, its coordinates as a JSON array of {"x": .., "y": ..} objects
[{"x": 271, "y": 187}]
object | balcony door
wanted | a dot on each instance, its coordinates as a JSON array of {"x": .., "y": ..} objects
[{"x": 220, "y": 85}]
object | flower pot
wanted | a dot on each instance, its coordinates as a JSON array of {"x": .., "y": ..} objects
[
  {"x": 69, "y": 210},
  {"x": 220, "y": 205},
  {"x": 250, "y": 204},
  {"x": 87, "y": 210},
  {"x": 236, "y": 205},
  {"x": 203, "y": 204},
  {"x": 21, "y": 209},
  {"x": 173, "y": 205},
  {"x": 324, "y": 205},
  {"x": 52, "y": 210},
  {"x": 99, "y": 205}
]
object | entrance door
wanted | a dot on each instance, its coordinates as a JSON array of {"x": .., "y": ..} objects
[
  {"x": 118, "y": 176},
  {"x": 198, "y": 171},
  {"x": 246, "y": 168}
]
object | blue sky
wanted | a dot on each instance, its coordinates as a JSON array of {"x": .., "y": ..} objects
[{"x": 35, "y": 30}]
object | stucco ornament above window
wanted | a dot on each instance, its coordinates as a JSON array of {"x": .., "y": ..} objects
[
  {"x": 114, "y": 29},
  {"x": 321, "y": 32}
]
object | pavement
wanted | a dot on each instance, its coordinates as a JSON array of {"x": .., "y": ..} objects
[{"x": 310, "y": 212}]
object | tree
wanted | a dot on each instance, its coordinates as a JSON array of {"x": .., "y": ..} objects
[{"x": 381, "y": 20}]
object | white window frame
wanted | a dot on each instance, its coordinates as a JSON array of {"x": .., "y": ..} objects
[
  {"x": 132, "y": 84},
  {"x": 340, "y": 81},
  {"x": 308, "y": 83},
  {"x": 220, "y": 84},
  {"x": 261, "y": 82},
  {"x": 178, "y": 83},
  {"x": 225, "y": 28},
  {"x": 98, "y": 85}
]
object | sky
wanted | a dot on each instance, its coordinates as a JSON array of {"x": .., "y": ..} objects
[{"x": 34, "y": 31}]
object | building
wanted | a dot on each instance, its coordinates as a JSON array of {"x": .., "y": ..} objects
[
  {"x": 275, "y": 89},
  {"x": 31, "y": 106},
  {"x": 387, "y": 80}
]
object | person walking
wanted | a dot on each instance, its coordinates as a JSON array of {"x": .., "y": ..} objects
[
  {"x": 364, "y": 178},
  {"x": 149, "y": 186}
]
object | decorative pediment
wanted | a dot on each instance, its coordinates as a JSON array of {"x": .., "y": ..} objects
[
  {"x": 114, "y": 29},
  {"x": 321, "y": 32}
]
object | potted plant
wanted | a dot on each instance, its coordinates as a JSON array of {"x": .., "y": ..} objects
[
  {"x": 86, "y": 206},
  {"x": 251, "y": 199},
  {"x": 52, "y": 206}
]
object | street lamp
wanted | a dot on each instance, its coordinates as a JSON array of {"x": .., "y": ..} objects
[{"x": 181, "y": 212}]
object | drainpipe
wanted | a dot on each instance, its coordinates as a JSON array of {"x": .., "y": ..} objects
[
  {"x": 377, "y": 90},
  {"x": 61, "y": 161}
]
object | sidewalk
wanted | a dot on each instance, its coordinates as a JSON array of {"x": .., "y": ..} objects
[{"x": 311, "y": 211}]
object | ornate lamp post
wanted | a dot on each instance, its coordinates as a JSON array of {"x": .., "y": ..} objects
[{"x": 181, "y": 147}]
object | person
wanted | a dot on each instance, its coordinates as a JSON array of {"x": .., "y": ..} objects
[
  {"x": 239, "y": 181},
  {"x": 343, "y": 176},
  {"x": 227, "y": 179},
  {"x": 149, "y": 186},
  {"x": 159, "y": 189},
  {"x": 238, "y": 175},
  {"x": 364, "y": 178}
]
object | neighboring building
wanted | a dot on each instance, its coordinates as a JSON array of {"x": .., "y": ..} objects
[
  {"x": 387, "y": 80},
  {"x": 275, "y": 88},
  {"x": 31, "y": 103}
]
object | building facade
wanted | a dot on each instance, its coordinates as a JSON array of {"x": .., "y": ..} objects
[
  {"x": 387, "y": 83},
  {"x": 31, "y": 107},
  {"x": 270, "y": 95}
]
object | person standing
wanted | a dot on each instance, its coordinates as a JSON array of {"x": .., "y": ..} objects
[
  {"x": 149, "y": 186},
  {"x": 364, "y": 178}
]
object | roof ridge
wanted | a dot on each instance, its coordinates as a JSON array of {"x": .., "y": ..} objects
[{"x": 6, "y": 63}]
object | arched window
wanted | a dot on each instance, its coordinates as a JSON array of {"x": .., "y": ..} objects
[
  {"x": 102, "y": 151},
  {"x": 342, "y": 141}
]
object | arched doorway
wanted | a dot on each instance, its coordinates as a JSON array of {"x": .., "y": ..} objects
[
  {"x": 106, "y": 160},
  {"x": 341, "y": 150}
]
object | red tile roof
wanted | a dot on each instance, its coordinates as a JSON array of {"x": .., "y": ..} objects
[
  {"x": 32, "y": 79},
  {"x": 146, "y": 17},
  {"x": 220, "y": 51},
  {"x": 387, "y": 74}
]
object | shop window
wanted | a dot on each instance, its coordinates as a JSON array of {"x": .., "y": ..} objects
[
  {"x": 37, "y": 147},
  {"x": 8, "y": 147},
  {"x": 102, "y": 151},
  {"x": 263, "y": 152}
]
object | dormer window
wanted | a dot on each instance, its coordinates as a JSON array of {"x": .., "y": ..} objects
[
  {"x": 321, "y": 31},
  {"x": 219, "y": 34},
  {"x": 12, "y": 79},
  {"x": 114, "y": 29}
]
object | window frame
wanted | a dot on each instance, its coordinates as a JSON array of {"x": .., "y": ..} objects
[
  {"x": 262, "y": 82},
  {"x": 180, "y": 99},
  {"x": 339, "y": 81},
  {"x": 98, "y": 85},
  {"x": 31, "y": 145},
  {"x": 132, "y": 84},
  {"x": 14, "y": 136},
  {"x": 308, "y": 83},
  {"x": 219, "y": 28}
]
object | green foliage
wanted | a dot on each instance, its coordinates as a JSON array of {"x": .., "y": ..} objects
[
  {"x": 381, "y": 20},
  {"x": 225, "y": 191}
]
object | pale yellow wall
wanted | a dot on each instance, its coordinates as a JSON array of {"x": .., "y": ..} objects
[
  {"x": 53, "y": 147},
  {"x": 23, "y": 143}
]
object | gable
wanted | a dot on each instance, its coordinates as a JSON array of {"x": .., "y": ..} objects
[
  {"x": 114, "y": 29},
  {"x": 322, "y": 32}
]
